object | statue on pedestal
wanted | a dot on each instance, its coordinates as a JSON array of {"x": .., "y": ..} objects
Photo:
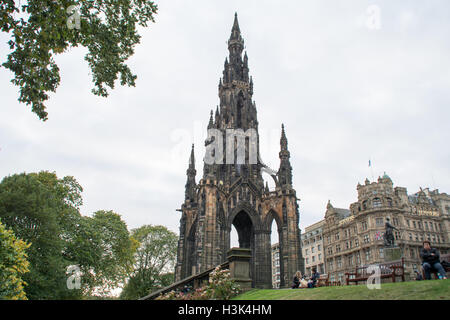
[{"x": 389, "y": 234}]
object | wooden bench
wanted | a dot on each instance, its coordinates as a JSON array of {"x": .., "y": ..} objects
[
  {"x": 323, "y": 281},
  {"x": 392, "y": 270},
  {"x": 445, "y": 257}
]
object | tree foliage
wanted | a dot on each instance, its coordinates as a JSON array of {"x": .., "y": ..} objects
[
  {"x": 44, "y": 211},
  {"x": 104, "y": 250},
  {"x": 39, "y": 30},
  {"x": 13, "y": 264},
  {"x": 154, "y": 261}
]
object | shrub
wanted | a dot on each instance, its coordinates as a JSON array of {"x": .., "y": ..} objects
[{"x": 219, "y": 287}]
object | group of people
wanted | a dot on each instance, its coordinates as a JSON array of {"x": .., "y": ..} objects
[
  {"x": 430, "y": 262},
  {"x": 301, "y": 281}
]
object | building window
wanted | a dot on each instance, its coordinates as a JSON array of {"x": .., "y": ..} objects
[
  {"x": 319, "y": 256},
  {"x": 339, "y": 262},
  {"x": 338, "y": 248},
  {"x": 356, "y": 243},
  {"x": 426, "y": 225},
  {"x": 389, "y": 202},
  {"x": 376, "y": 202},
  {"x": 410, "y": 237},
  {"x": 381, "y": 253},
  {"x": 318, "y": 247},
  {"x": 307, "y": 260},
  {"x": 396, "y": 223},
  {"x": 414, "y": 224},
  {"x": 312, "y": 249},
  {"x": 366, "y": 238},
  {"x": 306, "y": 252},
  {"x": 379, "y": 222},
  {"x": 313, "y": 258},
  {"x": 358, "y": 258},
  {"x": 367, "y": 255},
  {"x": 336, "y": 237},
  {"x": 364, "y": 225},
  {"x": 364, "y": 205},
  {"x": 407, "y": 222}
]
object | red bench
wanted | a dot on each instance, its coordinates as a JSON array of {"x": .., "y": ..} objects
[{"x": 392, "y": 270}]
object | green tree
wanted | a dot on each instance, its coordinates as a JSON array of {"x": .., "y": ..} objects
[
  {"x": 31, "y": 208},
  {"x": 44, "y": 211},
  {"x": 104, "y": 250},
  {"x": 40, "y": 29},
  {"x": 154, "y": 261},
  {"x": 13, "y": 264}
]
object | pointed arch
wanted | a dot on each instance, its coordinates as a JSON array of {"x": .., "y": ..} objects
[
  {"x": 246, "y": 207},
  {"x": 269, "y": 217}
]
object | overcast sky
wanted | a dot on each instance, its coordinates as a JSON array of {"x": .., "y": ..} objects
[{"x": 347, "y": 87}]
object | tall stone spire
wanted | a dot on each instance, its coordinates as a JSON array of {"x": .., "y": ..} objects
[
  {"x": 285, "y": 171},
  {"x": 191, "y": 173},
  {"x": 232, "y": 192},
  {"x": 235, "y": 43}
]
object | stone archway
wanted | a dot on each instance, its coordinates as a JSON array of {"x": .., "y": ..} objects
[
  {"x": 247, "y": 223},
  {"x": 268, "y": 221},
  {"x": 246, "y": 236}
]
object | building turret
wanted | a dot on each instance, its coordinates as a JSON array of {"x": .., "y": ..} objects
[
  {"x": 285, "y": 171},
  {"x": 190, "y": 183}
]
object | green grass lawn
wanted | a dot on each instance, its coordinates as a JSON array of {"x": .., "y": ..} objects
[{"x": 413, "y": 290}]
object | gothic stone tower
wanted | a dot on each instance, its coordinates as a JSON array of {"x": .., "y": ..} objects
[{"x": 233, "y": 194}]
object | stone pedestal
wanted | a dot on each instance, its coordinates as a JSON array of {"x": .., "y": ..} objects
[
  {"x": 239, "y": 259},
  {"x": 392, "y": 254}
]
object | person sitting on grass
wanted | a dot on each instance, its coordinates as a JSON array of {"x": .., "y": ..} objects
[
  {"x": 303, "y": 283},
  {"x": 296, "y": 281},
  {"x": 314, "y": 277},
  {"x": 418, "y": 275},
  {"x": 430, "y": 261}
]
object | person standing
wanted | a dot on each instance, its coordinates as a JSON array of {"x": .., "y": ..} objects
[{"x": 430, "y": 261}]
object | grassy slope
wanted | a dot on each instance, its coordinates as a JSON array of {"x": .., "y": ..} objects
[{"x": 414, "y": 290}]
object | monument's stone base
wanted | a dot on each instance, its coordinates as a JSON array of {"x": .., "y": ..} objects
[
  {"x": 392, "y": 254},
  {"x": 239, "y": 259}
]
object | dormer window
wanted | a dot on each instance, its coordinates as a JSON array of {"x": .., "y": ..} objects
[{"x": 364, "y": 205}]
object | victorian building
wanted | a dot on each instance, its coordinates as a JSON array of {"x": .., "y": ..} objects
[
  {"x": 355, "y": 237},
  {"x": 233, "y": 193},
  {"x": 312, "y": 246}
]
